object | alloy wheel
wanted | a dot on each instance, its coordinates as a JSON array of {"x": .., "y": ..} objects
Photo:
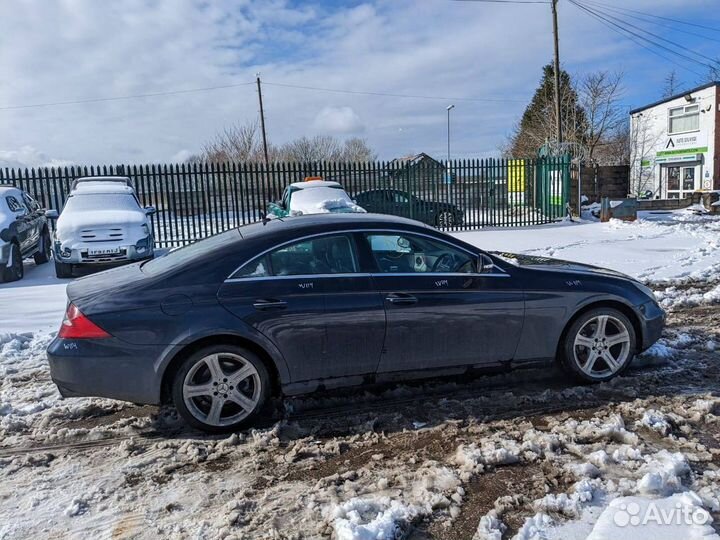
[
  {"x": 602, "y": 346},
  {"x": 221, "y": 389},
  {"x": 446, "y": 219}
]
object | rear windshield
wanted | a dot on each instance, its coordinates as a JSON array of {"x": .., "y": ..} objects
[
  {"x": 101, "y": 201},
  {"x": 181, "y": 256}
]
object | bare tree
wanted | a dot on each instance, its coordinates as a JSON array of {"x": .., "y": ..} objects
[
  {"x": 600, "y": 94},
  {"x": 672, "y": 84},
  {"x": 236, "y": 143},
  {"x": 642, "y": 144},
  {"x": 356, "y": 150}
]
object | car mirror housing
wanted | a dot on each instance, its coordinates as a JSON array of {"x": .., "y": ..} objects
[
  {"x": 150, "y": 210},
  {"x": 51, "y": 214}
]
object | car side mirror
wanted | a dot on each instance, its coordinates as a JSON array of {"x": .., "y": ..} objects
[
  {"x": 150, "y": 210},
  {"x": 51, "y": 214}
]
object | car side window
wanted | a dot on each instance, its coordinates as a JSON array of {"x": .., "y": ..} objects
[
  {"x": 14, "y": 205},
  {"x": 256, "y": 268},
  {"x": 397, "y": 253},
  {"x": 322, "y": 255}
]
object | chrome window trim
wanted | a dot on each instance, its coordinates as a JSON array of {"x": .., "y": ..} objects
[{"x": 231, "y": 279}]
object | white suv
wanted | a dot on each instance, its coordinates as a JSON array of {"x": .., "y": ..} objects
[{"x": 102, "y": 223}]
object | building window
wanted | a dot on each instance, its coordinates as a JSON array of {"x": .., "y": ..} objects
[{"x": 682, "y": 119}]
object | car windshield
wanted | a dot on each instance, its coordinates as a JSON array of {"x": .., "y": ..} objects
[
  {"x": 179, "y": 257},
  {"x": 101, "y": 201}
]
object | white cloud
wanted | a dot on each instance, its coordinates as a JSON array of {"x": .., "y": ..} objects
[
  {"x": 338, "y": 120},
  {"x": 56, "y": 50},
  {"x": 29, "y": 157}
]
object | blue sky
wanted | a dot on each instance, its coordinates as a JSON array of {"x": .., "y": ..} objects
[{"x": 75, "y": 50}]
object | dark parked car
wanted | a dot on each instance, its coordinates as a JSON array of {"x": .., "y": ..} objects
[
  {"x": 332, "y": 300},
  {"x": 23, "y": 233},
  {"x": 400, "y": 203}
]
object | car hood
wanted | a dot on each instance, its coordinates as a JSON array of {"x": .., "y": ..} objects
[
  {"x": 69, "y": 223},
  {"x": 559, "y": 265}
]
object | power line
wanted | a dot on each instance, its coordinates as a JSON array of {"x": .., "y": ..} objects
[
  {"x": 670, "y": 42},
  {"x": 119, "y": 98},
  {"x": 661, "y": 17},
  {"x": 385, "y": 94},
  {"x": 628, "y": 35},
  {"x": 643, "y": 38},
  {"x": 598, "y": 5},
  {"x": 507, "y": 1}
]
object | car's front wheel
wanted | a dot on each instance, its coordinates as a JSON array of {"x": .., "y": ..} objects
[
  {"x": 14, "y": 270},
  {"x": 599, "y": 345},
  {"x": 221, "y": 388},
  {"x": 44, "y": 254},
  {"x": 445, "y": 219}
]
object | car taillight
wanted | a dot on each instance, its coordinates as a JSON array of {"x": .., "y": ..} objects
[{"x": 75, "y": 325}]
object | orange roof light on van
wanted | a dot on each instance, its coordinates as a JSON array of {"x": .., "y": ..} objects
[{"x": 312, "y": 178}]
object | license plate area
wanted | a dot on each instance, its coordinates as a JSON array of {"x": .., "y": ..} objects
[{"x": 99, "y": 252}]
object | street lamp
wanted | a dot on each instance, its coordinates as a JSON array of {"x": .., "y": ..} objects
[
  {"x": 448, "y": 174},
  {"x": 449, "y": 108}
]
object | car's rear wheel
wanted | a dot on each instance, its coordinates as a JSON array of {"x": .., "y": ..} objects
[
  {"x": 599, "y": 345},
  {"x": 63, "y": 270},
  {"x": 221, "y": 388},
  {"x": 44, "y": 254},
  {"x": 14, "y": 271},
  {"x": 445, "y": 219}
]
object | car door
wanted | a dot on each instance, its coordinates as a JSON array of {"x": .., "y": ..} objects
[
  {"x": 23, "y": 221},
  {"x": 309, "y": 298},
  {"x": 34, "y": 219},
  {"x": 441, "y": 310}
]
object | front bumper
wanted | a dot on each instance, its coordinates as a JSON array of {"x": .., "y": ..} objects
[
  {"x": 652, "y": 319},
  {"x": 107, "y": 368},
  {"x": 80, "y": 254}
]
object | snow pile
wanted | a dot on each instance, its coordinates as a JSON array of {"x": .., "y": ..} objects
[
  {"x": 679, "y": 516},
  {"x": 663, "y": 473},
  {"x": 490, "y": 527},
  {"x": 492, "y": 452},
  {"x": 372, "y": 519},
  {"x": 568, "y": 505},
  {"x": 675, "y": 297},
  {"x": 598, "y": 430},
  {"x": 656, "y": 421}
]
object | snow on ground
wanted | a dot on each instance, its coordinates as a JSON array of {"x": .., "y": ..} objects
[{"x": 527, "y": 455}]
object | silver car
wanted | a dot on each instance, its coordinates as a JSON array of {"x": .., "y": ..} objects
[{"x": 102, "y": 223}]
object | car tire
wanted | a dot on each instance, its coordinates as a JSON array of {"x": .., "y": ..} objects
[
  {"x": 221, "y": 388},
  {"x": 445, "y": 219},
  {"x": 15, "y": 271},
  {"x": 44, "y": 253},
  {"x": 63, "y": 270},
  {"x": 599, "y": 345}
]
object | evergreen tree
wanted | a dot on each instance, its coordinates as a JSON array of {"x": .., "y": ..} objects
[{"x": 538, "y": 125}]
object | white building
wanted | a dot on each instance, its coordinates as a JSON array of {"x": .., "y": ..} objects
[{"x": 675, "y": 144}]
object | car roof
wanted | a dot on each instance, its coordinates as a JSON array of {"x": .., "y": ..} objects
[
  {"x": 7, "y": 190},
  {"x": 94, "y": 188},
  {"x": 315, "y": 184}
]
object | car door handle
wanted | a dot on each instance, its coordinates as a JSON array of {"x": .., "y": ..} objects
[
  {"x": 269, "y": 303},
  {"x": 401, "y": 299}
]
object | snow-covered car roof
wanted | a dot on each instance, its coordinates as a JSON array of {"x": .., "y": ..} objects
[
  {"x": 86, "y": 188},
  {"x": 315, "y": 184}
]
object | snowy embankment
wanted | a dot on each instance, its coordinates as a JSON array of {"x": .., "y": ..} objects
[{"x": 584, "y": 464}]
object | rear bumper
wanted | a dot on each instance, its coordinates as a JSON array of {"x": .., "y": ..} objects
[
  {"x": 652, "y": 318},
  {"x": 106, "y": 368}
]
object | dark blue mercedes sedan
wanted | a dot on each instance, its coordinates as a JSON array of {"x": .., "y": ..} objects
[{"x": 324, "y": 301}]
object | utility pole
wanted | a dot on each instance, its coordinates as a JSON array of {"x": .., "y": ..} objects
[
  {"x": 558, "y": 115},
  {"x": 262, "y": 125}
]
